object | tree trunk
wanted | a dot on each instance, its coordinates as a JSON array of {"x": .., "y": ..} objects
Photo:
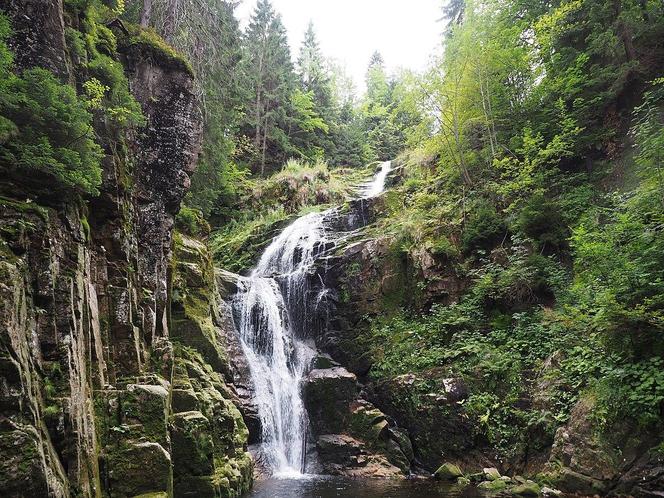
[
  {"x": 146, "y": 13},
  {"x": 170, "y": 22},
  {"x": 264, "y": 147}
]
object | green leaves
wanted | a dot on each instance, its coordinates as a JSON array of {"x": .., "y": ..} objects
[{"x": 46, "y": 127}]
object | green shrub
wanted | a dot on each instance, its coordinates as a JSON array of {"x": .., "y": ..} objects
[
  {"x": 118, "y": 103},
  {"x": 484, "y": 228},
  {"x": 443, "y": 247},
  {"x": 237, "y": 245},
  {"x": 191, "y": 222},
  {"x": 634, "y": 390},
  {"x": 45, "y": 127},
  {"x": 541, "y": 220}
]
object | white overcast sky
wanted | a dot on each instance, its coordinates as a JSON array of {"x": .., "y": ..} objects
[{"x": 406, "y": 32}]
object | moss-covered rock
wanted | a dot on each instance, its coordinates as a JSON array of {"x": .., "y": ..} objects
[
  {"x": 193, "y": 301},
  {"x": 496, "y": 485},
  {"x": 209, "y": 442},
  {"x": 22, "y": 466},
  {"x": 491, "y": 473},
  {"x": 448, "y": 472},
  {"x": 528, "y": 488},
  {"x": 328, "y": 393},
  {"x": 134, "y": 468},
  {"x": 192, "y": 444}
]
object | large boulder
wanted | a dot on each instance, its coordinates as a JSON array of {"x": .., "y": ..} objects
[
  {"x": 341, "y": 454},
  {"x": 137, "y": 467},
  {"x": 327, "y": 394},
  {"x": 448, "y": 472},
  {"x": 435, "y": 421}
]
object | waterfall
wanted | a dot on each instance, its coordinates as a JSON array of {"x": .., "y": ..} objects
[
  {"x": 377, "y": 184},
  {"x": 274, "y": 322}
]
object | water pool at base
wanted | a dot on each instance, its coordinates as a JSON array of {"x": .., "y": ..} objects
[{"x": 343, "y": 487}]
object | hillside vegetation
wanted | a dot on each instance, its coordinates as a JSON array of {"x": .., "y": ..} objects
[{"x": 531, "y": 177}]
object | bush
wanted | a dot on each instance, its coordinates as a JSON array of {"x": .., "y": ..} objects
[
  {"x": 191, "y": 222},
  {"x": 541, "y": 220},
  {"x": 45, "y": 126},
  {"x": 484, "y": 228}
]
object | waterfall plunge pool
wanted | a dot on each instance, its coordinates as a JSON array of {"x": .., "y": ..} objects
[{"x": 318, "y": 486}]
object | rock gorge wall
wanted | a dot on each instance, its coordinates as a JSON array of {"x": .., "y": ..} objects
[{"x": 113, "y": 379}]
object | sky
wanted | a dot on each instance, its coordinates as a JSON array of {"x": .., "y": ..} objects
[{"x": 406, "y": 32}]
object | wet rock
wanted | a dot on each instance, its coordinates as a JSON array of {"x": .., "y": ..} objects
[
  {"x": 491, "y": 473},
  {"x": 341, "y": 454},
  {"x": 367, "y": 421},
  {"x": 575, "y": 482},
  {"x": 338, "y": 448},
  {"x": 496, "y": 485},
  {"x": 323, "y": 361},
  {"x": 463, "y": 481},
  {"x": 550, "y": 492},
  {"x": 403, "y": 440},
  {"x": 226, "y": 282},
  {"x": 209, "y": 443},
  {"x": 529, "y": 488},
  {"x": 448, "y": 472},
  {"x": 327, "y": 394}
]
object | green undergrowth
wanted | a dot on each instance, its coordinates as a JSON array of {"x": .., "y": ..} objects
[
  {"x": 268, "y": 204},
  {"x": 301, "y": 184},
  {"x": 237, "y": 246},
  {"x": 563, "y": 294}
]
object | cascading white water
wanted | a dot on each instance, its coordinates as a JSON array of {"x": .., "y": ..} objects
[
  {"x": 272, "y": 315},
  {"x": 377, "y": 184},
  {"x": 266, "y": 305}
]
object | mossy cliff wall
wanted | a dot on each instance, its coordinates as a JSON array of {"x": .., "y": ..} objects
[{"x": 96, "y": 399}]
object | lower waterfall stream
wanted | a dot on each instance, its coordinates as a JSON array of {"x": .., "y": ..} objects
[{"x": 271, "y": 315}]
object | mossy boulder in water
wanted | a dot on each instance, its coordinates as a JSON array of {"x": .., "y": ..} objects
[
  {"x": 528, "y": 488},
  {"x": 496, "y": 485},
  {"x": 448, "y": 472}
]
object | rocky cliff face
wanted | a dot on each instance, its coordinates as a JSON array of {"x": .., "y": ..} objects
[{"x": 104, "y": 392}]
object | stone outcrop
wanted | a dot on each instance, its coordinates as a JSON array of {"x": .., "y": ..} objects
[
  {"x": 114, "y": 376},
  {"x": 582, "y": 462},
  {"x": 435, "y": 422},
  {"x": 353, "y": 437}
]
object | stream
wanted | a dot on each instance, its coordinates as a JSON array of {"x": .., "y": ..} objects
[{"x": 344, "y": 487}]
